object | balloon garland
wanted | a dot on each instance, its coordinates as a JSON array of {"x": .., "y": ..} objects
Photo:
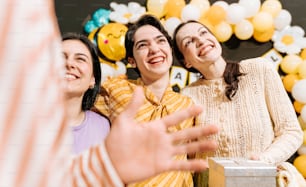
[{"x": 267, "y": 21}]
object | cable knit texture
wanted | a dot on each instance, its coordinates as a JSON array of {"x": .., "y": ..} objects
[{"x": 260, "y": 119}]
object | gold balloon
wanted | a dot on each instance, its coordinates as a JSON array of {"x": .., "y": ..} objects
[
  {"x": 244, "y": 30},
  {"x": 302, "y": 70},
  {"x": 289, "y": 80},
  {"x": 263, "y": 21},
  {"x": 215, "y": 14},
  {"x": 110, "y": 40},
  {"x": 303, "y": 54},
  {"x": 290, "y": 63},
  {"x": 272, "y": 7},
  {"x": 223, "y": 31},
  {"x": 298, "y": 106},
  {"x": 264, "y": 36},
  {"x": 157, "y": 7},
  {"x": 174, "y": 8}
]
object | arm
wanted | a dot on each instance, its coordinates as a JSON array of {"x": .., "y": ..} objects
[{"x": 287, "y": 131}]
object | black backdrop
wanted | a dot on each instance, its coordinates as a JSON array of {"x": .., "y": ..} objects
[{"x": 72, "y": 14}]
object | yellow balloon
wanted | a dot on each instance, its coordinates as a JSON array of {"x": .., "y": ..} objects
[
  {"x": 91, "y": 35},
  {"x": 203, "y": 5},
  {"x": 272, "y": 7},
  {"x": 110, "y": 40},
  {"x": 223, "y": 31},
  {"x": 302, "y": 123},
  {"x": 303, "y": 54},
  {"x": 157, "y": 7},
  {"x": 264, "y": 36},
  {"x": 302, "y": 70},
  {"x": 300, "y": 164},
  {"x": 215, "y": 14},
  {"x": 263, "y": 21},
  {"x": 205, "y": 22},
  {"x": 289, "y": 80},
  {"x": 290, "y": 63},
  {"x": 298, "y": 106},
  {"x": 174, "y": 8}
]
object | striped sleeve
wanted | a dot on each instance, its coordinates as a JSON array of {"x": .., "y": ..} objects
[{"x": 35, "y": 142}]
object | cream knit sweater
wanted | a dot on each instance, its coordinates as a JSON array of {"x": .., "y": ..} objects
[{"x": 259, "y": 120}]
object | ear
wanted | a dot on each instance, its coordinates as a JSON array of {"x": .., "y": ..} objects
[
  {"x": 187, "y": 64},
  {"x": 92, "y": 83},
  {"x": 132, "y": 62}
]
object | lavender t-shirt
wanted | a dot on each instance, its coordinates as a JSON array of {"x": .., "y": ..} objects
[{"x": 91, "y": 131}]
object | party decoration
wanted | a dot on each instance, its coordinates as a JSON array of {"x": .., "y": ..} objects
[
  {"x": 99, "y": 18},
  {"x": 289, "y": 80},
  {"x": 298, "y": 106},
  {"x": 272, "y": 7},
  {"x": 222, "y": 4},
  {"x": 302, "y": 123},
  {"x": 262, "y": 21},
  {"x": 263, "y": 36},
  {"x": 289, "y": 40},
  {"x": 235, "y": 13},
  {"x": 174, "y": 8},
  {"x": 170, "y": 24},
  {"x": 203, "y": 5},
  {"x": 215, "y": 14},
  {"x": 244, "y": 30},
  {"x": 190, "y": 12},
  {"x": 303, "y": 113},
  {"x": 302, "y": 70},
  {"x": 290, "y": 63},
  {"x": 157, "y": 7},
  {"x": 110, "y": 40},
  {"x": 126, "y": 13},
  {"x": 282, "y": 20},
  {"x": 299, "y": 90},
  {"x": 251, "y": 7},
  {"x": 223, "y": 31}
]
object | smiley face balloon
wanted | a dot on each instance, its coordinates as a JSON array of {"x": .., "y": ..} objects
[{"x": 110, "y": 41}]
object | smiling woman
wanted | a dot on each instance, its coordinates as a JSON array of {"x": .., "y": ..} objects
[{"x": 83, "y": 77}]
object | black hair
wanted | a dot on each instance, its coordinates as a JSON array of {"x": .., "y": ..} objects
[
  {"x": 232, "y": 70},
  {"x": 91, "y": 94},
  {"x": 146, "y": 19}
]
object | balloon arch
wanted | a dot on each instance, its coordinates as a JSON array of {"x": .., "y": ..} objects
[{"x": 246, "y": 19}]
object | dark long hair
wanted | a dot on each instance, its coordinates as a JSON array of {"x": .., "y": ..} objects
[
  {"x": 90, "y": 95},
  {"x": 143, "y": 20},
  {"x": 232, "y": 70}
]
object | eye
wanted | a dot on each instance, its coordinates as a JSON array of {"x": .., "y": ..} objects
[
  {"x": 203, "y": 32},
  {"x": 162, "y": 40},
  {"x": 141, "y": 45}
]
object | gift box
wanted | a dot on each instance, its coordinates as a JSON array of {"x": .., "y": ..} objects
[{"x": 225, "y": 172}]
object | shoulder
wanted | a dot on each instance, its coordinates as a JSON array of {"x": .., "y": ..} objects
[
  {"x": 95, "y": 116},
  {"x": 256, "y": 64}
]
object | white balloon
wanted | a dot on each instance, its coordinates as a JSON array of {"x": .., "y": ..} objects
[
  {"x": 170, "y": 24},
  {"x": 235, "y": 13},
  {"x": 251, "y": 7},
  {"x": 222, "y": 4},
  {"x": 299, "y": 91},
  {"x": 190, "y": 12},
  {"x": 303, "y": 113},
  {"x": 282, "y": 20}
]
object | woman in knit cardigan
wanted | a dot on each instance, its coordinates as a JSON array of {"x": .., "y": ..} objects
[{"x": 246, "y": 99}]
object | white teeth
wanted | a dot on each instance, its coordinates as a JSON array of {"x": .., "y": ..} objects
[
  {"x": 156, "y": 60},
  {"x": 69, "y": 76}
]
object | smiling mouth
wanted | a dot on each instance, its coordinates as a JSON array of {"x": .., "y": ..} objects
[
  {"x": 69, "y": 76},
  {"x": 204, "y": 50},
  {"x": 156, "y": 60}
]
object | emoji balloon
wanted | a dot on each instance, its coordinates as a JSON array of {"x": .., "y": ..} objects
[{"x": 110, "y": 41}]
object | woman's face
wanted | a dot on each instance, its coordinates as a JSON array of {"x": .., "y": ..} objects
[
  {"x": 79, "y": 72},
  {"x": 198, "y": 46},
  {"x": 152, "y": 53}
]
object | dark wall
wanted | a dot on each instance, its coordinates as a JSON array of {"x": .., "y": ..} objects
[{"x": 72, "y": 14}]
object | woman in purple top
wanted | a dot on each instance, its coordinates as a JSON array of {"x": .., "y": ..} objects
[{"x": 83, "y": 78}]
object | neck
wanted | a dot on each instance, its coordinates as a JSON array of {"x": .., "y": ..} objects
[
  {"x": 75, "y": 115},
  {"x": 215, "y": 70},
  {"x": 157, "y": 86}
]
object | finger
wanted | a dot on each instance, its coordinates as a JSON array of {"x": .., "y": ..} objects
[
  {"x": 194, "y": 133},
  {"x": 188, "y": 165},
  {"x": 135, "y": 103},
  {"x": 196, "y": 146},
  {"x": 177, "y": 117}
]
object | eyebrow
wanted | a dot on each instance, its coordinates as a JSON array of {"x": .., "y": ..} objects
[
  {"x": 145, "y": 40},
  {"x": 81, "y": 54}
]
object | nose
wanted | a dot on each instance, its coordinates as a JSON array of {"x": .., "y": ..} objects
[
  {"x": 199, "y": 41},
  {"x": 154, "y": 48},
  {"x": 70, "y": 63}
]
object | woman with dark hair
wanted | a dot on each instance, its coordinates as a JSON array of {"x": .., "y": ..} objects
[
  {"x": 245, "y": 99},
  {"x": 148, "y": 49},
  {"x": 83, "y": 78}
]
